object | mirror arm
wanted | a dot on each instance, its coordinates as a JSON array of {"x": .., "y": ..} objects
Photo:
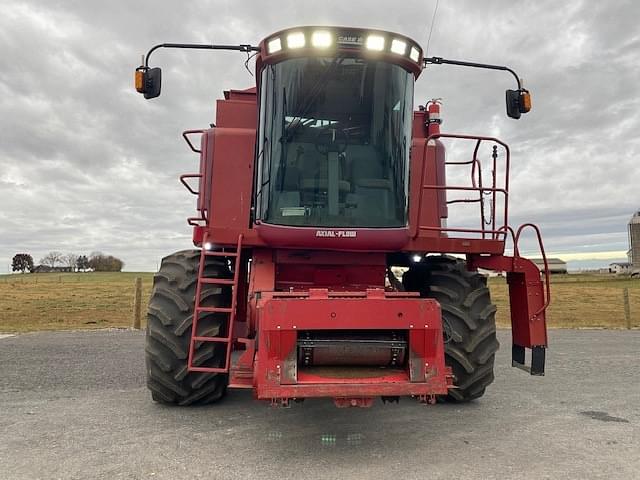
[
  {"x": 440, "y": 61},
  {"x": 198, "y": 46}
]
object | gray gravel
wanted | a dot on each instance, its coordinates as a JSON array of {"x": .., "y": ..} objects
[{"x": 74, "y": 405}]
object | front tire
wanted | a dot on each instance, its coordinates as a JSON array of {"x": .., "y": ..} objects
[
  {"x": 169, "y": 323},
  {"x": 468, "y": 321}
]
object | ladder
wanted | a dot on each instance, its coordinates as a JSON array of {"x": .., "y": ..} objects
[{"x": 229, "y": 311}]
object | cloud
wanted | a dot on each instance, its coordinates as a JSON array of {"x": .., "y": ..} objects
[{"x": 86, "y": 164}]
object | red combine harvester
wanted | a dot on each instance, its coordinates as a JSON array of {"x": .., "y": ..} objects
[{"x": 316, "y": 189}]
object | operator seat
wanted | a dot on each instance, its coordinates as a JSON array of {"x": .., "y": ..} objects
[
  {"x": 314, "y": 170},
  {"x": 373, "y": 191}
]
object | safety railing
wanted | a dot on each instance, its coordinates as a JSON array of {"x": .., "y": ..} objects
[
  {"x": 186, "y": 134},
  {"x": 516, "y": 253},
  {"x": 487, "y": 193},
  {"x": 194, "y": 221}
]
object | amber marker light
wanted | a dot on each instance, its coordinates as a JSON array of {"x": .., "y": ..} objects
[
  {"x": 139, "y": 81},
  {"x": 525, "y": 101}
]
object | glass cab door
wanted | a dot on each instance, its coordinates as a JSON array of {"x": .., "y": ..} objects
[{"x": 333, "y": 145}]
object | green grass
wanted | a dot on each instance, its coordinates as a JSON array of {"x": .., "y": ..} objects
[{"x": 56, "y": 301}]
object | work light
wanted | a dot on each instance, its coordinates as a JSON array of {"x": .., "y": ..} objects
[
  {"x": 398, "y": 46},
  {"x": 375, "y": 42},
  {"x": 321, "y": 39},
  {"x": 274, "y": 45},
  {"x": 295, "y": 40},
  {"x": 414, "y": 54}
]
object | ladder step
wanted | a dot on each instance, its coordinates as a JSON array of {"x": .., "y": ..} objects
[
  {"x": 231, "y": 311},
  {"x": 220, "y": 254},
  {"x": 217, "y": 281},
  {"x": 210, "y": 339},
  {"x": 226, "y": 310}
]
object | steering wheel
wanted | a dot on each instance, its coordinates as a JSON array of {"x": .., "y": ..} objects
[{"x": 332, "y": 140}]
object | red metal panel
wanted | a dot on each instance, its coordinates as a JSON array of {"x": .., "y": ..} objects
[
  {"x": 261, "y": 279},
  {"x": 526, "y": 295},
  {"x": 232, "y": 178},
  {"x": 336, "y": 277},
  {"x": 304, "y": 269},
  {"x": 349, "y": 239},
  {"x": 348, "y": 313},
  {"x": 423, "y": 208},
  {"x": 281, "y": 316},
  {"x": 327, "y": 257},
  {"x": 455, "y": 245},
  {"x": 237, "y": 114}
]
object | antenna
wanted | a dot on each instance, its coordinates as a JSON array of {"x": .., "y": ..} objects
[{"x": 433, "y": 21}]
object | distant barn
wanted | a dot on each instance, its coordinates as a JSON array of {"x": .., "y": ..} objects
[
  {"x": 49, "y": 269},
  {"x": 620, "y": 267},
  {"x": 556, "y": 265}
]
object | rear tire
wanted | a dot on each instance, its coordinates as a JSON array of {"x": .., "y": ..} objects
[
  {"x": 468, "y": 319},
  {"x": 169, "y": 323}
]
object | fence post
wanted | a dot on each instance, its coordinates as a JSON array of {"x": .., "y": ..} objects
[
  {"x": 137, "y": 304},
  {"x": 627, "y": 308}
]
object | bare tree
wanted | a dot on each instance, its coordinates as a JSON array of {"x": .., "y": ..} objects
[
  {"x": 51, "y": 258},
  {"x": 71, "y": 260}
]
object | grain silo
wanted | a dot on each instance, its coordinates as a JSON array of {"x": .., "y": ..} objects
[{"x": 634, "y": 241}]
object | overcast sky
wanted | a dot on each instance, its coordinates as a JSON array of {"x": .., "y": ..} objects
[{"x": 87, "y": 164}]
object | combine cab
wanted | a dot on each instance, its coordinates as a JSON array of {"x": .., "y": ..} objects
[{"x": 324, "y": 234}]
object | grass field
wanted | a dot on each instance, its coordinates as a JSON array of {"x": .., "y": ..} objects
[
  {"x": 55, "y": 301},
  {"x": 579, "y": 301},
  {"x": 52, "y": 301}
]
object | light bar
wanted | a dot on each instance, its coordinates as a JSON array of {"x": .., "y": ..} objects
[
  {"x": 324, "y": 38},
  {"x": 295, "y": 40},
  {"x": 375, "y": 42},
  {"x": 274, "y": 45},
  {"x": 398, "y": 46},
  {"x": 321, "y": 39}
]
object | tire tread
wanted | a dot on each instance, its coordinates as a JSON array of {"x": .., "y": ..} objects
[
  {"x": 468, "y": 317},
  {"x": 169, "y": 328}
]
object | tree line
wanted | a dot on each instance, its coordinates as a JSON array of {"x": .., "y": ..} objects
[{"x": 71, "y": 262}]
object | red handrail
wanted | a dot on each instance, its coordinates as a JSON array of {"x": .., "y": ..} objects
[
  {"x": 479, "y": 187},
  {"x": 187, "y": 186},
  {"x": 547, "y": 280},
  {"x": 186, "y": 134}
]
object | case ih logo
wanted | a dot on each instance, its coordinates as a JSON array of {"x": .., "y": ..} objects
[
  {"x": 336, "y": 233},
  {"x": 350, "y": 39}
]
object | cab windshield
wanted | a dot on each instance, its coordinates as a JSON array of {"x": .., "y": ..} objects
[{"x": 334, "y": 141}]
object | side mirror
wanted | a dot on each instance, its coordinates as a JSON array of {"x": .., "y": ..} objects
[
  {"x": 148, "y": 81},
  {"x": 518, "y": 102}
]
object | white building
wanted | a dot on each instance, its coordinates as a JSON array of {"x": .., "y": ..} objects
[
  {"x": 620, "y": 267},
  {"x": 556, "y": 265}
]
